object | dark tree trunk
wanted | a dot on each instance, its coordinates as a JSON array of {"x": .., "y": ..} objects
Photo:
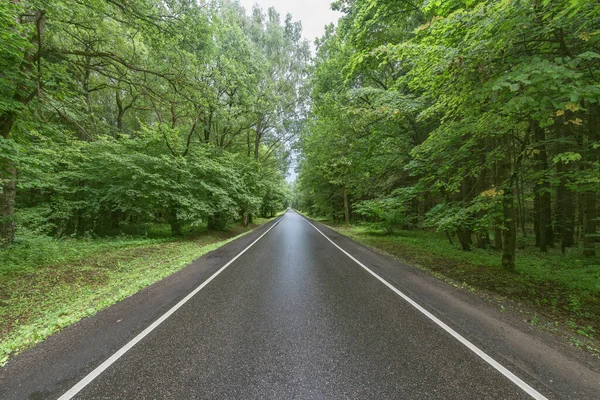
[
  {"x": 462, "y": 237},
  {"x": 464, "y": 233},
  {"x": 498, "y": 178},
  {"x": 120, "y": 111},
  {"x": 258, "y": 139},
  {"x": 497, "y": 237},
  {"x": 469, "y": 236},
  {"x": 346, "y": 208},
  {"x": 509, "y": 235},
  {"x": 509, "y": 232},
  {"x": 175, "y": 223},
  {"x": 590, "y": 196},
  {"x": 536, "y": 217},
  {"x": 218, "y": 222},
  {"x": 483, "y": 240},
  {"x": 248, "y": 143},
  {"x": 546, "y": 229},
  {"x": 521, "y": 205},
  {"x": 565, "y": 210},
  {"x": 590, "y": 225},
  {"x": 7, "y": 203},
  {"x": 544, "y": 232},
  {"x": 579, "y": 228},
  {"x": 7, "y": 196}
]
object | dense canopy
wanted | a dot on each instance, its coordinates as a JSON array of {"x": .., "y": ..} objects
[
  {"x": 477, "y": 118},
  {"x": 116, "y": 113}
]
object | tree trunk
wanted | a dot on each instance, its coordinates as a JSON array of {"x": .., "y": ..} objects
[
  {"x": 449, "y": 237},
  {"x": 498, "y": 220},
  {"x": 258, "y": 139},
  {"x": 509, "y": 235},
  {"x": 590, "y": 215},
  {"x": 565, "y": 209},
  {"x": 590, "y": 196},
  {"x": 346, "y": 208},
  {"x": 7, "y": 203},
  {"x": 245, "y": 218},
  {"x": 218, "y": 222},
  {"x": 120, "y": 111},
  {"x": 483, "y": 240},
  {"x": 175, "y": 223},
  {"x": 509, "y": 232},
  {"x": 469, "y": 236},
  {"x": 579, "y": 229},
  {"x": 462, "y": 237},
  {"x": 536, "y": 217},
  {"x": 7, "y": 179},
  {"x": 521, "y": 205},
  {"x": 544, "y": 232},
  {"x": 497, "y": 237}
]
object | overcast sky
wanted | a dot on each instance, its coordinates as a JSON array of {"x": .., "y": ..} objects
[{"x": 314, "y": 14}]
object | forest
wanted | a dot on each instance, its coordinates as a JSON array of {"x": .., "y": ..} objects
[
  {"x": 478, "y": 119},
  {"x": 136, "y": 136},
  {"x": 459, "y": 136},
  {"x": 117, "y": 114}
]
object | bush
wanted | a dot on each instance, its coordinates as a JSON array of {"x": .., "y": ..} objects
[{"x": 385, "y": 214}]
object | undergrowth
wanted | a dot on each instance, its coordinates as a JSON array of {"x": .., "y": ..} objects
[
  {"x": 47, "y": 284},
  {"x": 565, "y": 288}
]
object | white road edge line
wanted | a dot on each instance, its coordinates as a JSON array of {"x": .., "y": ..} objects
[
  {"x": 102, "y": 367},
  {"x": 499, "y": 367}
]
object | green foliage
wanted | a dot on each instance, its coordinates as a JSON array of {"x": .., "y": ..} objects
[
  {"x": 48, "y": 284},
  {"x": 122, "y": 114},
  {"x": 487, "y": 110},
  {"x": 387, "y": 214},
  {"x": 562, "y": 289}
]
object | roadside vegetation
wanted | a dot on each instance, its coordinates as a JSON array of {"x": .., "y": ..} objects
[
  {"x": 134, "y": 137},
  {"x": 461, "y": 135},
  {"x": 464, "y": 136},
  {"x": 559, "y": 293},
  {"x": 48, "y": 284}
]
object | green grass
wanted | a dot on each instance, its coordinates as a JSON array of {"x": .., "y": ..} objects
[
  {"x": 563, "y": 288},
  {"x": 47, "y": 285}
]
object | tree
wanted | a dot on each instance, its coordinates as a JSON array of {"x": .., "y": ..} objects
[{"x": 484, "y": 111}]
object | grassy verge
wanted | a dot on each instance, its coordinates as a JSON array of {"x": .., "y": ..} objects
[
  {"x": 46, "y": 284},
  {"x": 562, "y": 290}
]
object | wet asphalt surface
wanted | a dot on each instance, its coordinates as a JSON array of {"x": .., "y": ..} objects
[{"x": 292, "y": 318}]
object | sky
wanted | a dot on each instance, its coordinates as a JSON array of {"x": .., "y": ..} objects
[{"x": 314, "y": 14}]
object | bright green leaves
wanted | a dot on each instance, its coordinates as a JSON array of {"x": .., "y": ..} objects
[
  {"x": 136, "y": 178},
  {"x": 144, "y": 111},
  {"x": 482, "y": 109},
  {"x": 566, "y": 157}
]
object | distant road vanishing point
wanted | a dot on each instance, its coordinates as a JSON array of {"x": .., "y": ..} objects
[{"x": 297, "y": 311}]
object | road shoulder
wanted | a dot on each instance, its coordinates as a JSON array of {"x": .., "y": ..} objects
[
  {"x": 53, "y": 366},
  {"x": 530, "y": 353}
]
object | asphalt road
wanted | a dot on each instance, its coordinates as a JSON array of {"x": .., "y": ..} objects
[{"x": 295, "y": 318}]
